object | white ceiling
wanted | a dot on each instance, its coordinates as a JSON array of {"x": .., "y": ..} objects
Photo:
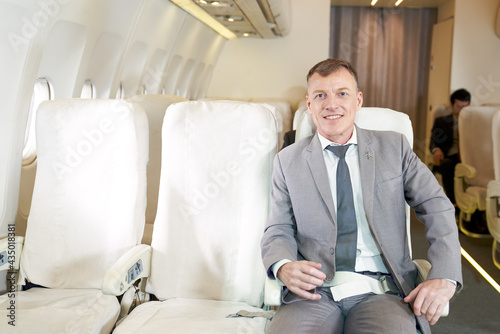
[{"x": 390, "y": 3}]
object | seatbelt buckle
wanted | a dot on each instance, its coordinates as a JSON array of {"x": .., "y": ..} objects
[{"x": 383, "y": 283}]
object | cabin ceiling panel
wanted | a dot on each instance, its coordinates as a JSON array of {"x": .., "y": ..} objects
[{"x": 243, "y": 18}]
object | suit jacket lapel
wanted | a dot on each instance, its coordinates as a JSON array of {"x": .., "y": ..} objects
[
  {"x": 367, "y": 157},
  {"x": 317, "y": 166}
]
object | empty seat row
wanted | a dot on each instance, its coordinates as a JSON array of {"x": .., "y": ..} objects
[
  {"x": 476, "y": 169},
  {"x": 82, "y": 246}
]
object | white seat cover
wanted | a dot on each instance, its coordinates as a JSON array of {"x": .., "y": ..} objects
[
  {"x": 191, "y": 316},
  {"x": 49, "y": 311},
  {"x": 384, "y": 119},
  {"x": 89, "y": 195},
  {"x": 476, "y": 145},
  {"x": 88, "y": 209},
  {"x": 213, "y": 204}
]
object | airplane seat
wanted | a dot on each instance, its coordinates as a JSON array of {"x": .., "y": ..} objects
[
  {"x": 88, "y": 207},
  {"x": 212, "y": 208},
  {"x": 372, "y": 118},
  {"x": 302, "y": 108},
  {"x": 475, "y": 170},
  {"x": 305, "y": 126},
  {"x": 155, "y": 107},
  {"x": 493, "y": 193},
  {"x": 283, "y": 114}
]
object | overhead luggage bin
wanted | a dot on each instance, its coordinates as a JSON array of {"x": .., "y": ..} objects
[{"x": 242, "y": 18}]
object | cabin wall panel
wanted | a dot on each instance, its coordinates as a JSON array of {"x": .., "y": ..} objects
[
  {"x": 62, "y": 55},
  {"x": 195, "y": 44},
  {"x": 478, "y": 72},
  {"x": 158, "y": 27},
  {"x": 23, "y": 26}
]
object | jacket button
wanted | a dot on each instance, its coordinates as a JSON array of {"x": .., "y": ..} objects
[{"x": 332, "y": 251}]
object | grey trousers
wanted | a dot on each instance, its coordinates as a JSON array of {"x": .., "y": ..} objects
[{"x": 368, "y": 313}]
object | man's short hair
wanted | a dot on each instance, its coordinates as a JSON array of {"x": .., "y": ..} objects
[
  {"x": 330, "y": 65},
  {"x": 460, "y": 94}
]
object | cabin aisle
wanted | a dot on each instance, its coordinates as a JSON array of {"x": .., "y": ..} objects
[{"x": 476, "y": 308}]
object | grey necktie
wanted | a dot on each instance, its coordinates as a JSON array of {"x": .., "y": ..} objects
[{"x": 345, "y": 251}]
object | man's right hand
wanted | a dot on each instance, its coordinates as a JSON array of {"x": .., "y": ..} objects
[
  {"x": 300, "y": 277},
  {"x": 437, "y": 156}
]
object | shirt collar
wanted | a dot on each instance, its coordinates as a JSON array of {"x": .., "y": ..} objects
[{"x": 325, "y": 142}]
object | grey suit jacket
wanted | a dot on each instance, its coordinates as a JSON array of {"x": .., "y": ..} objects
[{"x": 302, "y": 220}]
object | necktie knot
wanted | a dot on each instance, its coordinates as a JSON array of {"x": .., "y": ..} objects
[{"x": 339, "y": 151}]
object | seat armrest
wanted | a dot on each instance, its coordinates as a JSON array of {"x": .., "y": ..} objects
[
  {"x": 132, "y": 266},
  {"x": 272, "y": 292},
  {"x": 423, "y": 268},
  {"x": 10, "y": 252},
  {"x": 465, "y": 202},
  {"x": 464, "y": 171}
]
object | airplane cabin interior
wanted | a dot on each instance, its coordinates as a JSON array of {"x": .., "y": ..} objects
[{"x": 137, "y": 141}]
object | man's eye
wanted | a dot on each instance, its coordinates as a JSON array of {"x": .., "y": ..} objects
[
  {"x": 343, "y": 94},
  {"x": 320, "y": 96}
]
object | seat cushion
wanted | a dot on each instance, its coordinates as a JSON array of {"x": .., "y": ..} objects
[
  {"x": 41, "y": 311},
  {"x": 188, "y": 316}
]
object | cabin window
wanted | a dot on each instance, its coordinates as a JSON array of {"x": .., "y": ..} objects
[
  {"x": 42, "y": 91},
  {"x": 88, "y": 90}
]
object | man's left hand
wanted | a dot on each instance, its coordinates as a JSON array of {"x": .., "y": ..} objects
[{"x": 430, "y": 297}]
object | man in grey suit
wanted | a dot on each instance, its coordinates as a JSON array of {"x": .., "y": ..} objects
[{"x": 300, "y": 244}]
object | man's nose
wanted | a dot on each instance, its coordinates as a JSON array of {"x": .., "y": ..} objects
[{"x": 331, "y": 102}]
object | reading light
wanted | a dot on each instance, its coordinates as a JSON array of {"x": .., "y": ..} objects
[
  {"x": 398, "y": 2},
  {"x": 200, "y": 14},
  {"x": 374, "y": 2}
]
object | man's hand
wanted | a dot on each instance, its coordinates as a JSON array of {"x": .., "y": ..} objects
[
  {"x": 437, "y": 156},
  {"x": 302, "y": 276},
  {"x": 430, "y": 298}
]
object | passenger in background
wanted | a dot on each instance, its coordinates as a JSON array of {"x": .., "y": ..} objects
[
  {"x": 444, "y": 141},
  {"x": 334, "y": 244}
]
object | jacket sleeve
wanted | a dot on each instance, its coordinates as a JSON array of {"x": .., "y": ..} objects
[
  {"x": 278, "y": 241},
  {"x": 424, "y": 194}
]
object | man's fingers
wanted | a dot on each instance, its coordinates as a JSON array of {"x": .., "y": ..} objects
[
  {"x": 300, "y": 277},
  {"x": 430, "y": 298}
]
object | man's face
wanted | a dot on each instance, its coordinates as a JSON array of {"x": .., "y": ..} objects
[
  {"x": 458, "y": 105},
  {"x": 333, "y": 101}
]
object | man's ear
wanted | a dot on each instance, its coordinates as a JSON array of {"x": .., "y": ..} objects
[{"x": 360, "y": 100}]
